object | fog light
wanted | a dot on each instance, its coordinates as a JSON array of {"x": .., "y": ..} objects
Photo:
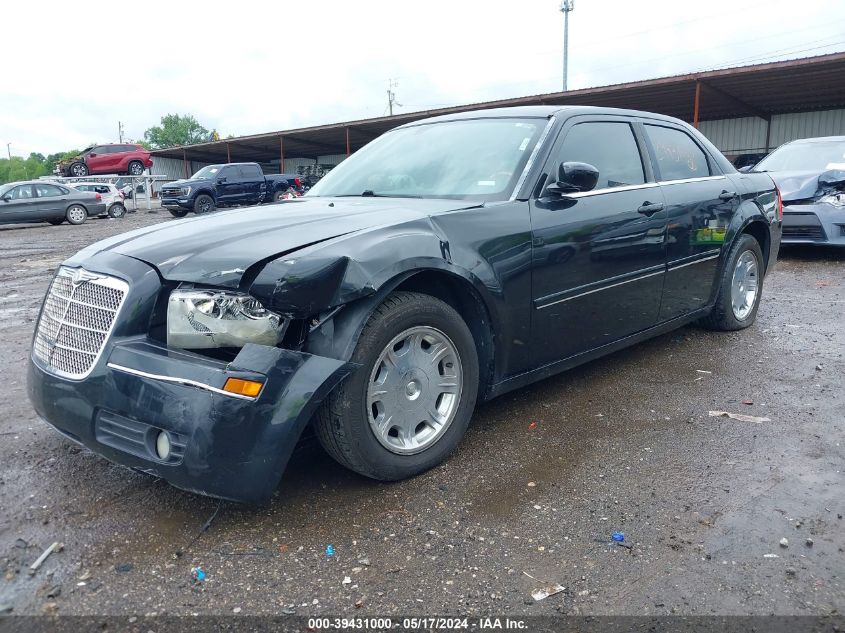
[{"x": 163, "y": 445}]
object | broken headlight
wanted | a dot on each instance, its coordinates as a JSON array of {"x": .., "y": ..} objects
[
  {"x": 836, "y": 199},
  {"x": 202, "y": 319}
]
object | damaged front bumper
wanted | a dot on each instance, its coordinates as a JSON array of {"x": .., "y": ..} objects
[
  {"x": 813, "y": 224},
  {"x": 222, "y": 444}
]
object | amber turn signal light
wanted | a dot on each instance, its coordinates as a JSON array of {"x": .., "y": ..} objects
[{"x": 243, "y": 387}]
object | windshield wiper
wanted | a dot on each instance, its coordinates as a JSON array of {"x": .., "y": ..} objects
[{"x": 369, "y": 193}]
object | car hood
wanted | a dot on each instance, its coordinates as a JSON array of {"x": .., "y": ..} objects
[
  {"x": 801, "y": 185},
  {"x": 217, "y": 249},
  {"x": 184, "y": 182}
]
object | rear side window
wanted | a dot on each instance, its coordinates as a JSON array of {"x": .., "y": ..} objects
[
  {"x": 610, "y": 147},
  {"x": 250, "y": 171},
  {"x": 678, "y": 156},
  {"x": 47, "y": 191}
]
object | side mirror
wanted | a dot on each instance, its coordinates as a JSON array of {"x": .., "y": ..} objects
[
  {"x": 575, "y": 177},
  {"x": 745, "y": 169},
  {"x": 221, "y": 180},
  {"x": 6, "y": 199},
  {"x": 92, "y": 154}
]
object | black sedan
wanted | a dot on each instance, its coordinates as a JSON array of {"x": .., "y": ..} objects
[
  {"x": 40, "y": 201},
  {"x": 448, "y": 262}
]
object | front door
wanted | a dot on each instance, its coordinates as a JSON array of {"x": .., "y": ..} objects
[
  {"x": 598, "y": 256},
  {"x": 51, "y": 201},
  {"x": 700, "y": 202},
  {"x": 228, "y": 185},
  {"x": 19, "y": 205}
]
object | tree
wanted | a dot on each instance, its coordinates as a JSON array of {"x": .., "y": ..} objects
[{"x": 176, "y": 129}]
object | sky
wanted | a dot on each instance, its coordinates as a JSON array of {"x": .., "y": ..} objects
[{"x": 74, "y": 70}]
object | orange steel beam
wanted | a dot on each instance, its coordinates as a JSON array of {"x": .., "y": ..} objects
[{"x": 697, "y": 103}]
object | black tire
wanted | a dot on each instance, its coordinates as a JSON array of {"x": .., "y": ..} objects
[
  {"x": 56, "y": 221},
  {"x": 117, "y": 210},
  {"x": 76, "y": 214},
  {"x": 78, "y": 170},
  {"x": 178, "y": 213},
  {"x": 722, "y": 317},
  {"x": 279, "y": 195},
  {"x": 203, "y": 204},
  {"x": 135, "y": 168},
  {"x": 342, "y": 424}
]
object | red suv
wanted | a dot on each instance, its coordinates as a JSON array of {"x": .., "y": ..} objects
[{"x": 120, "y": 158}]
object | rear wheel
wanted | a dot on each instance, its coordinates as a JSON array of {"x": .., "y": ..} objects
[
  {"x": 178, "y": 213},
  {"x": 76, "y": 214},
  {"x": 117, "y": 210},
  {"x": 407, "y": 406},
  {"x": 740, "y": 287},
  {"x": 136, "y": 168},
  {"x": 281, "y": 195},
  {"x": 203, "y": 204},
  {"x": 78, "y": 170}
]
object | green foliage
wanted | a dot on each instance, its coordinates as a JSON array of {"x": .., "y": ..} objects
[
  {"x": 21, "y": 169},
  {"x": 176, "y": 129}
]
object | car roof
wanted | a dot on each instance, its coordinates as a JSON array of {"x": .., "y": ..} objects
[
  {"x": 817, "y": 139},
  {"x": 543, "y": 112}
]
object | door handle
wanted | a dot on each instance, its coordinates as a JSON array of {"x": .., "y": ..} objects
[
  {"x": 727, "y": 195},
  {"x": 650, "y": 208}
]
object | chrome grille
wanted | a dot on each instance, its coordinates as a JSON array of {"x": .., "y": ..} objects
[{"x": 78, "y": 316}]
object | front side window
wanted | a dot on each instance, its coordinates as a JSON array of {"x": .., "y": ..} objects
[
  {"x": 678, "y": 156},
  {"x": 474, "y": 159},
  {"x": 47, "y": 191},
  {"x": 23, "y": 192},
  {"x": 610, "y": 147}
]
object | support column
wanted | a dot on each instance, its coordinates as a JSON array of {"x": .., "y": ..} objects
[
  {"x": 768, "y": 132},
  {"x": 348, "y": 152},
  {"x": 696, "y": 105},
  {"x": 228, "y": 154},
  {"x": 185, "y": 163},
  {"x": 281, "y": 154}
]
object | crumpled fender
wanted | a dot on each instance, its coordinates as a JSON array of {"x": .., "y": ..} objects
[{"x": 314, "y": 280}]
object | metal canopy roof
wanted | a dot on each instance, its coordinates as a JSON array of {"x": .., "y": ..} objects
[{"x": 812, "y": 83}]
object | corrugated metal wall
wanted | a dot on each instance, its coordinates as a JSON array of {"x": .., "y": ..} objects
[{"x": 748, "y": 135}]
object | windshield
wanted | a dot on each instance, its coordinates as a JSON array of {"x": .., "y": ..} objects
[
  {"x": 817, "y": 156},
  {"x": 206, "y": 172},
  {"x": 479, "y": 159}
]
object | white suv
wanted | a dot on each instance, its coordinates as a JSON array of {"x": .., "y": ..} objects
[{"x": 112, "y": 196}]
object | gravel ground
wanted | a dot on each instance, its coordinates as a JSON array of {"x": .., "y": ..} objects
[{"x": 530, "y": 499}]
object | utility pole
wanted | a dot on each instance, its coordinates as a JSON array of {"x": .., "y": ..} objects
[
  {"x": 120, "y": 131},
  {"x": 391, "y": 96},
  {"x": 9, "y": 150},
  {"x": 565, "y": 7}
]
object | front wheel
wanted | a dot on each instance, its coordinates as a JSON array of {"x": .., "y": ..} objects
[
  {"x": 78, "y": 170},
  {"x": 203, "y": 204},
  {"x": 407, "y": 406},
  {"x": 740, "y": 287},
  {"x": 178, "y": 213},
  {"x": 76, "y": 214}
]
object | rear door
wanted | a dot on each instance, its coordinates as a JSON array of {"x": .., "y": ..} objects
[
  {"x": 599, "y": 256},
  {"x": 253, "y": 183},
  {"x": 700, "y": 202},
  {"x": 50, "y": 200}
]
